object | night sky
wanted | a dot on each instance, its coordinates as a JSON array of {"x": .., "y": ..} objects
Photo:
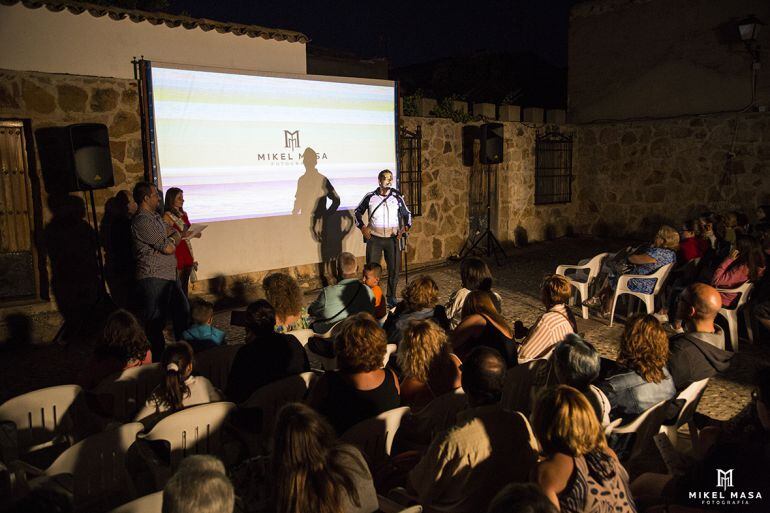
[{"x": 406, "y": 32}]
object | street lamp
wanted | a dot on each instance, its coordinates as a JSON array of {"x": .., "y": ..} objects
[{"x": 748, "y": 29}]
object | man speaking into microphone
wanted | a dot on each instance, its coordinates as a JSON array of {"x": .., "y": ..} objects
[{"x": 389, "y": 220}]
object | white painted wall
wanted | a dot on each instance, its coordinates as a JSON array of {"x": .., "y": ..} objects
[{"x": 62, "y": 42}]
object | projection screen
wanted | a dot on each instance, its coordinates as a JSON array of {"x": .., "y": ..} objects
[{"x": 273, "y": 164}]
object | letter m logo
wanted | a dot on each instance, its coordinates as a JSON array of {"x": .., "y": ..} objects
[
  {"x": 725, "y": 478},
  {"x": 291, "y": 139}
]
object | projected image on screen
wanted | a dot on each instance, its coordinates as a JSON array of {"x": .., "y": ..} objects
[{"x": 245, "y": 146}]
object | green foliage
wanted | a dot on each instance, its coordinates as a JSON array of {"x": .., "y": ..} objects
[
  {"x": 445, "y": 109},
  {"x": 411, "y": 103}
]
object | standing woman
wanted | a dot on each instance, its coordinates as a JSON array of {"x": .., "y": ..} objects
[{"x": 176, "y": 217}]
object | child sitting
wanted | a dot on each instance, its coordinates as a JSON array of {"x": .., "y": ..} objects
[
  {"x": 202, "y": 335},
  {"x": 371, "y": 278}
]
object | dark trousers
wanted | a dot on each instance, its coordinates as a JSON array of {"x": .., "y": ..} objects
[
  {"x": 158, "y": 299},
  {"x": 388, "y": 246}
]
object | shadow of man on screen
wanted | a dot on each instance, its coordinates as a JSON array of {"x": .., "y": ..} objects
[{"x": 317, "y": 201}]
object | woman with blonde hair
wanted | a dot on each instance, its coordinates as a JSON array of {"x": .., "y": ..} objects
[
  {"x": 420, "y": 303},
  {"x": 313, "y": 471},
  {"x": 429, "y": 367},
  {"x": 646, "y": 260},
  {"x": 579, "y": 471},
  {"x": 483, "y": 325},
  {"x": 640, "y": 378},
  {"x": 555, "y": 324},
  {"x": 284, "y": 294}
]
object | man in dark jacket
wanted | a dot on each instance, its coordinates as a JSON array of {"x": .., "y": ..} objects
[{"x": 697, "y": 353}]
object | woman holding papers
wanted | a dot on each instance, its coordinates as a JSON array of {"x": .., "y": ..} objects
[{"x": 176, "y": 218}]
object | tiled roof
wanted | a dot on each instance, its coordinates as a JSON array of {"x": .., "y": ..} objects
[{"x": 170, "y": 20}]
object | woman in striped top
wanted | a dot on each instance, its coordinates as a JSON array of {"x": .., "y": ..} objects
[{"x": 555, "y": 324}]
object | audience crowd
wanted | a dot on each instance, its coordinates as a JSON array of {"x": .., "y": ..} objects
[{"x": 533, "y": 430}]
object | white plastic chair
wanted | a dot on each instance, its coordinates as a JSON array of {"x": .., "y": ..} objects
[
  {"x": 389, "y": 350},
  {"x": 215, "y": 364},
  {"x": 302, "y": 335},
  {"x": 645, "y": 426},
  {"x": 152, "y": 503},
  {"x": 194, "y": 430},
  {"x": 121, "y": 395},
  {"x": 692, "y": 396},
  {"x": 269, "y": 399},
  {"x": 731, "y": 314},
  {"x": 374, "y": 437},
  {"x": 592, "y": 267},
  {"x": 93, "y": 470},
  {"x": 43, "y": 418},
  {"x": 648, "y": 299}
]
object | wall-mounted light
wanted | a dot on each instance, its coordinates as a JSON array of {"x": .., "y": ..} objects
[{"x": 748, "y": 29}]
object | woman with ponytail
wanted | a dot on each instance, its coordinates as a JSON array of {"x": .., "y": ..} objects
[
  {"x": 179, "y": 388},
  {"x": 312, "y": 471}
]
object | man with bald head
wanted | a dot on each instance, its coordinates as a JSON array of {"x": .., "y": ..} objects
[{"x": 696, "y": 354}]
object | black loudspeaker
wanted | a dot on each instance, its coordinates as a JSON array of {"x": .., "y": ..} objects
[
  {"x": 470, "y": 134},
  {"x": 491, "y": 138},
  {"x": 75, "y": 158}
]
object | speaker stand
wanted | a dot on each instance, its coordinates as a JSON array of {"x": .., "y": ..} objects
[{"x": 491, "y": 245}]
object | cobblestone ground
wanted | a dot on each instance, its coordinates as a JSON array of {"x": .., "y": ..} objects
[{"x": 517, "y": 281}]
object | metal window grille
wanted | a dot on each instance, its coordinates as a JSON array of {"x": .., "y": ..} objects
[
  {"x": 410, "y": 172},
  {"x": 553, "y": 169}
]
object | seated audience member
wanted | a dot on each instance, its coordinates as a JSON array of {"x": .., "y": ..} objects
[
  {"x": 742, "y": 443},
  {"x": 744, "y": 263},
  {"x": 312, "y": 471},
  {"x": 763, "y": 219},
  {"x": 123, "y": 345},
  {"x": 360, "y": 388},
  {"x": 580, "y": 472},
  {"x": 557, "y": 322},
  {"x": 371, "y": 278},
  {"x": 730, "y": 220},
  {"x": 521, "y": 498},
  {"x": 577, "y": 364},
  {"x": 464, "y": 467},
  {"x": 201, "y": 463},
  {"x": 194, "y": 490},
  {"x": 266, "y": 357},
  {"x": 646, "y": 261},
  {"x": 420, "y": 298},
  {"x": 695, "y": 354},
  {"x": 483, "y": 325},
  {"x": 428, "y": 365},
  {"x": 179, "y": 389},
  {"x": 202, "y": 335},
  {"x": 283, "y": 292},
  {"x": 690, "y": 245},
  {"x": 336, "y": 302},
  {"x": 639, "y": 379},
  {"x": 474, "y": 275},
  {"x": 717, "y": 251}
]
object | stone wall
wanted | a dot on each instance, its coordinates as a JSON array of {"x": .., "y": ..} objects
[
  {"x": 633, "y": 176},
  {"x": 58, "y": 100},
  {"x": 444, "y": 226}
]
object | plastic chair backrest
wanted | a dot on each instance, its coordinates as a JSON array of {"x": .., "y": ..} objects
[
  {"x": 644, "y": 427},
  {"x": 661, "y": 275},
  {"x": 123, "y": 394},
  {"x": 270, "y": 398},
  {"x": 43, "y": 417},
  {"x": 152, "y": 503},
  {"x": 215, "y": 364},
  {"x": 374, "y": 436},
  {"x": 691, "y": 395},
  {"x": 194, "y": 430},
  {"x": 744, "y": 294},
  {"x": 98, "y": 467},
  {"x": 389, "y": 350}
]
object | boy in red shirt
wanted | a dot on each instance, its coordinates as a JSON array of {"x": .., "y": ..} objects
[{"x": 371, "y": 278}]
